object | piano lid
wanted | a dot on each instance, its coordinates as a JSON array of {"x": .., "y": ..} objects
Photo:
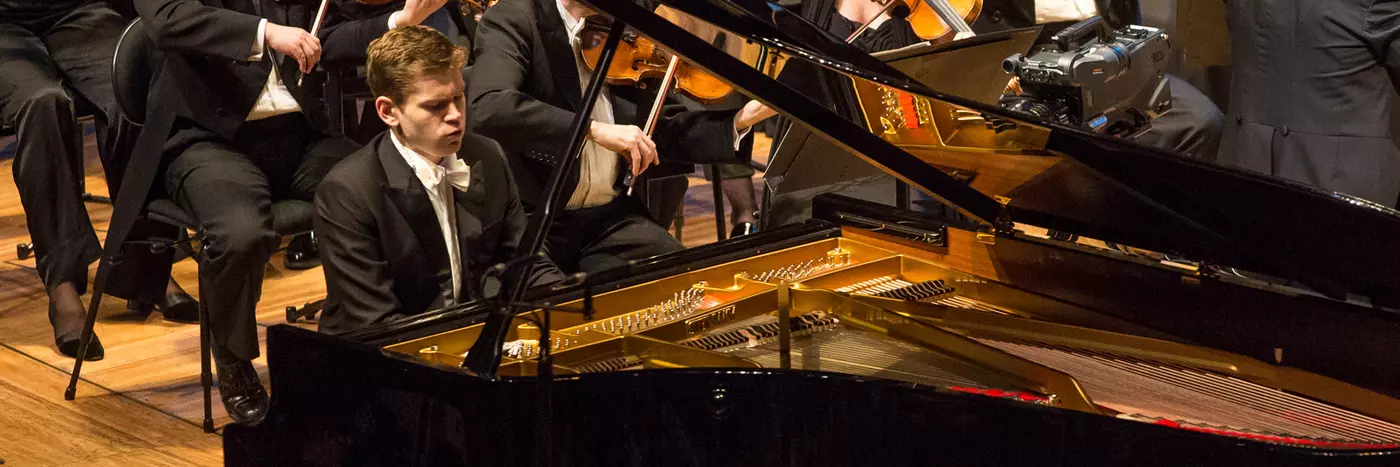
[{"x": 1049, "y": 175}]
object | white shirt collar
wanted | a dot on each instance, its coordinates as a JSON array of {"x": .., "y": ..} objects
[
  {"x": 431, "y": 175},
  {"x": 571, "y": 24}
]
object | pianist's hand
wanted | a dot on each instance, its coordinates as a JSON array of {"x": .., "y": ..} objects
[
  {"x": 628, "y": 141},
  {"x": 295, "y": 43}
]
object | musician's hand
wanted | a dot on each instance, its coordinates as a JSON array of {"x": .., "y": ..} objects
[
  {"x": 415, "y": 11},
  {"x": 295, "y": 43},
  {"x": 628, "y": 141},
  {"x": 752, "y": 113}
]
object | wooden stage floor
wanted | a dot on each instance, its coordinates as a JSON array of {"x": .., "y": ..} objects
[{"x": 141, "y": 405}]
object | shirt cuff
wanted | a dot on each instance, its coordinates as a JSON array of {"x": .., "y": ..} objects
[
  {"x": 739, "y": 136},
  {"x": 394, "y": 19},
  {"x": 258, "y": 46}
]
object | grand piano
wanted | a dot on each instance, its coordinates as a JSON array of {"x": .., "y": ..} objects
[{"x": 1092, "y": 302}]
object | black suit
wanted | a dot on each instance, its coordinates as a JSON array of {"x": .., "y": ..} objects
[
  {"x": 224, "y": 170},
  {"x": 1309, "y": 97},
  {"x": 524, "y": 91},
  {"x": 382, "y": 246}
]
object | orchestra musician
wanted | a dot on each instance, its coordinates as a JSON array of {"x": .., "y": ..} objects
[
  {"x": 841, "y": 18},
  {"x": 244, "y": 134},
  {"x": 411, "y": 221},
  {"x": 1310, "y": 93},
  {"x": 525, "y": 85},
  {"x": 55, "y": 54}
]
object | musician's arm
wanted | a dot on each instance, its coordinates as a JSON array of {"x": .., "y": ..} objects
[
  {"x": 344, "y": 38},
  {"x": 188, "y": 26},
  {"x": 499, "y": 109},
  {"x": 358, "y": 278}
]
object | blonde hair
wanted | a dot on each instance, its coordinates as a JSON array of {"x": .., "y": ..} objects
[{"x": 404, "y": 54}]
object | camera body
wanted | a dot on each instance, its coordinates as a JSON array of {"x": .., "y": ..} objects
[{"x": 1095, "y": 78}]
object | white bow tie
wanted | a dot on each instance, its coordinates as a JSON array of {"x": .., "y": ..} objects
[{"x": 458, "y": 173}]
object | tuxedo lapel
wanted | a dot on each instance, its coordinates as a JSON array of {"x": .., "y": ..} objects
[
  {"x": 469, "y": 205},
  {"x": 407, "y": 194},
  {"x": 560, "y": 53}
]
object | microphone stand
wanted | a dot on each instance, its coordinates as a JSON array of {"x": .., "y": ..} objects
[{"x": 484, "y": 357}]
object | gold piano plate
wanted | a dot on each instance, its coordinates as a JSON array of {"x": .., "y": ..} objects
[{"x": 621, "y": 353}]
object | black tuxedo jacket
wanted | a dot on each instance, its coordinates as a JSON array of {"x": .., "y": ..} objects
[
  {"x": 381, "y": 245},
  {"x": 350, "y": 26},
  {"x": 524, "y": 91},
  {"x": 205, "y": 75}
]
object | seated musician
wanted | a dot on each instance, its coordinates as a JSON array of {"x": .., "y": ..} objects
[
  {"x": 412, "y": 221},
  {"x": 526, "y": 85},
  {"x": 841, "y": 18},
  {"x": 56, "y": 54},
  {"x": 244, "y": 134}
]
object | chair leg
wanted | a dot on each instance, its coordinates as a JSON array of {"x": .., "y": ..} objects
[
  {"x": 718, "y": 193},
  {"x": 94, "y": 305},
  {"x": 206, "y": 377}
]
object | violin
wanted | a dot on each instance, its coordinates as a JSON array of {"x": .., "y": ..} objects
[
  {"x": 939, "y": 20},
  {"x": 638, "y": 60}
]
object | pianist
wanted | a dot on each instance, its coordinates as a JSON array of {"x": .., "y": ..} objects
[{"x": 412, "y": 221}]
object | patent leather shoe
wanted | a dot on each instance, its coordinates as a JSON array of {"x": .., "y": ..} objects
[
  {"x": 302, "y": 252},
  {"x": 70, "y": 347},
  {"x": 69, "y": 339},
  {"x": 244, "y": 398}
]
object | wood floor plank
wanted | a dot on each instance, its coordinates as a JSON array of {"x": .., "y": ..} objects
[{"x": 38, "y": 427}]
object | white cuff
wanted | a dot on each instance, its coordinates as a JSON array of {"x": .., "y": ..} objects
[
  {"x": 258, "y": 46},
  {"x": 394, "y": 19},
  {"x": 739, "y": 136}
]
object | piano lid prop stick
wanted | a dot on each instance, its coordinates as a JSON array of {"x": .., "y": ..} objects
[
  {"x": 655, "y": 115},
  {"x": 315, "y": 29}
]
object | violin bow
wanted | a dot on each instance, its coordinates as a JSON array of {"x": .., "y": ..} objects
[{"x": 315, "y": 29}]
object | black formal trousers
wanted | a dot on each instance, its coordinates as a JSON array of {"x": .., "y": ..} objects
[
  {"x": 607, "y": 236},
  {"x": 228, "y": 187},
  {"x": 43, "y": 62}
]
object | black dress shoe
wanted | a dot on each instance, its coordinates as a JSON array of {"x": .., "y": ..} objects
[
  {"x": 68, "y": 339},
  {"x": 302, "y": 253},
  {"x": 242, "y": 393},
  {"x": 180, "y": 308},
  {"x": 743, "y": 228},
  {"x": 70, "y": 347}
]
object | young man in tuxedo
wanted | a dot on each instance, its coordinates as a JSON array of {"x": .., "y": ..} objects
[
  {"x": 525, "y": 87},
  {"x": 237, "y": 132},
  {"x": 412, "y": 221}
]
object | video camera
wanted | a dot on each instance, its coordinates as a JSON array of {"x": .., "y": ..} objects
[{"x": 1096, "y": 78}]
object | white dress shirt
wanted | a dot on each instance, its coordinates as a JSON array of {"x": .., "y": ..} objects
[
  {"x": 440, "y": 180},
  {"x": 1049, "y": 11},
  {"x": 598, "y": 169},
  {"x": 275, "y": 98}
]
